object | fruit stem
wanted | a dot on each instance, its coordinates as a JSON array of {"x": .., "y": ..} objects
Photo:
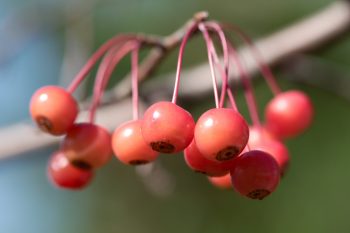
[
  {"x": 210, "y": 49},
  {"x": 216, "y": 27},
  {"x": 134, "y": 81},
  {"x": 184, "y": 41},
  {"x": 231, "y": 99},
  {"x": 248, "y": 87},
  {"x": 111, "y": 59},
  {"x": 263, "y": 67},
  {"x": 94, "y": 58}
]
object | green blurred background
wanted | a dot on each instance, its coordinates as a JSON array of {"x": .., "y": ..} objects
[{"x": 312, "y": 197}]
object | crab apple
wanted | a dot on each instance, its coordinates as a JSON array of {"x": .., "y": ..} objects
[
  {"x": 53, "y": 109},
  {"x": 255, "y": 174},
  {"x": 64, "y": 175},
  {"x": 277, "y": 150},
  {"x": 167, "y": 128},
  {"x": 197, "y": 162},
  {"x": 128, "y": 144},
  {"x": 87, "y": 145},
  {"x": 221, "y": 134},
  {"x": 258, "y": 134},
  {"x": 289, "y": 114},
  {"x": 261, "y": 139},
  {"x": 222, "y": 182}
]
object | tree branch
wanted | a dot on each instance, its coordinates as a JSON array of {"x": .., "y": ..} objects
[{"x": 310, "y": 33}]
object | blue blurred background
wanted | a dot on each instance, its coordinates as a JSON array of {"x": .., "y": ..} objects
[{"x": 47, "y": 41}]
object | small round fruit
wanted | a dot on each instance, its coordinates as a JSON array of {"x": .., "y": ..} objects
[
  {"x": 128, "y": 144},
  {"x": 255, "y": 174},
  {"x": 222, "y": 182},
  {"x": 197, "y": 162},
  {"x": 221, "y": 134},
  {"x": 53, "y": 109},
  {"x": 167, "y": 128},
  {"x": 259, "y": 134},
  {"x": 289, "y": 114},
  {"x": 87, "y": 145},
  {"x": 64, "y": 175},
  {"x": 277, "y": 150}
]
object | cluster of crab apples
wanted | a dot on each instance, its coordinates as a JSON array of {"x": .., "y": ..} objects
[{"x": 219, "y": 144}]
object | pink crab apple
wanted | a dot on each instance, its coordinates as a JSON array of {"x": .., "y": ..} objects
[
  {"x": 129, "y": 146},
  {"x": 87, "y": 145},
  {"x": 197, "y": 162},
  {"x": 167, "y": 128},
  {"x": 278, "y": 151},
  {"x": 53, "y": 109},
  {"x": 222, "y": 182},
  {"x": 289, "y": 113},
  {"x": 221, "y": 134},
  {"x": 64, "y": 175},
  {"x": 257, "y": 134},
  {"x": 255, "y": 174},
  {"x": 261, "y": 139}
]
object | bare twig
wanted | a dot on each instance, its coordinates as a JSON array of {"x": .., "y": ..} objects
[
  {"x": 310, "y": 33},
  {"x": 316, "y": 72}
]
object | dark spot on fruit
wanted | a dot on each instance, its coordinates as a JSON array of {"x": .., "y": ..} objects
[
  {"x": 138, "y": 162},
  {"x": 227, "y": 153},
  {"x": 258, "y": 194},
  {"x": 163, "y": 147},
  {"x": 81, "y": 164},
  {"x": 44, "y": 124}
]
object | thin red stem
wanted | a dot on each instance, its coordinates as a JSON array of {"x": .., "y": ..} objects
[
  {"x": 231, "y": 99},
  {"x": 246, "y": 82},
  {"x": 263, "y": 67},
  {"x": 225, "y": 85},
  {"x": 105, "y": 71},
  {"x": 217, "y": 28},
  {"x": 248, "y": 87},
  {"x": 94, "y": 58},
  {"x": 184, "y": 41},
  {"x": 210, "y": 47},
  {"x": 134, "y": 80}
]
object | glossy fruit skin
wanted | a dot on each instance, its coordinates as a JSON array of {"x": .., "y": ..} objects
[
  {"x": 278, "y": 151},
  {"x": 64, "y": 175},
  {"x": 289, "y": 114},
  {"x": 259, "y": 134},
  {"x": 221, "y": 134},
  {"x": 222, "y": 182},
  {"x": 129, "y": 146},
  {"x": 255, "y": 175},
  {"x": 167, "y": 128},
  {"x": 197, "y": 162},
  {"x": 261, "y": 139},
  {"x": 53, "y": 109},
  {"x": 87, "y": 145}
]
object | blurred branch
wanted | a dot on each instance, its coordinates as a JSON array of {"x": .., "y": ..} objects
[
  {"x": 310, "y": 33},
  {"x": 316, "y": 72},
  {"x": 153, "y": 60},
  {"x": 23, "y": 137}
]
